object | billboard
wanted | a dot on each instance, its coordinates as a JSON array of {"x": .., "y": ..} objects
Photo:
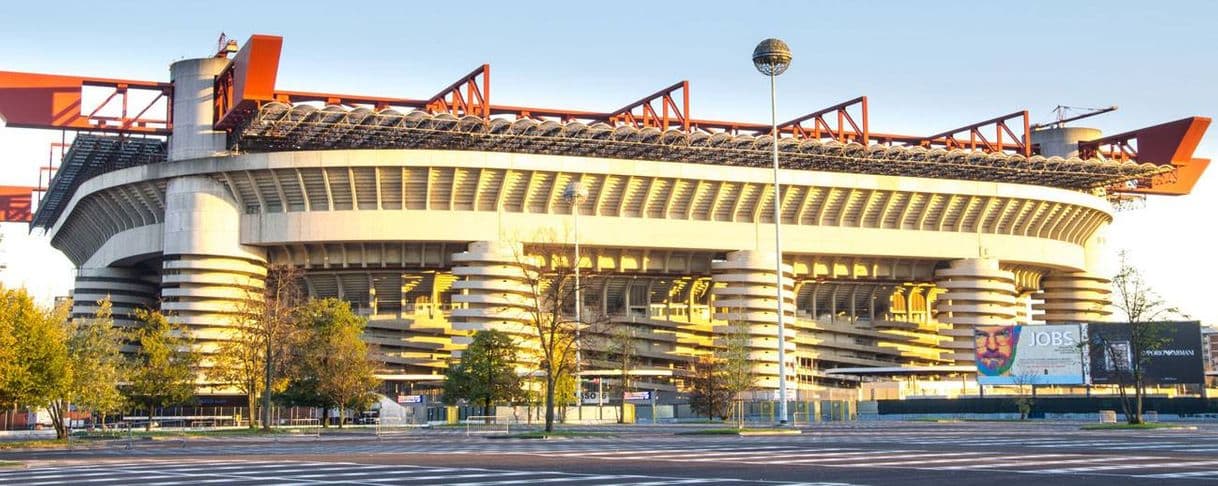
[
  {"x": 1173, "y": 358},
  {"x": 1030, "y": 355}
]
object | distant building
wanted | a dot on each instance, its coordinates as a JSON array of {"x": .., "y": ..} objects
[{"x": 1209, "y": 346}]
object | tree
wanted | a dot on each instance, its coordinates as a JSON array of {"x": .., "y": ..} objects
[
  {"x": 707, "y": 395},
  {"x": 96, "y": 361},
  {"x": 11, "y": 310},
  {"x": 556, "y": 329},
  {"x": 1023, "y": 402},
  {"x": 735, "y": 366},
  {"x": 486, "y": 372},
  {"x": 162, "y": 372},
  {"x": 622, "y": 347},
  {"x": 721, "y": 378},
  {"x": 1145, "y": 311},
  {"x": 332, "y": 365},
  {"x": 39, "y": 372},
  {"x": 240, "y": 361},
  {"x": 274, "y": 326}
]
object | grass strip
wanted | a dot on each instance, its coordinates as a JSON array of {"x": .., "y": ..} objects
[{"x": 33, "y": 444}]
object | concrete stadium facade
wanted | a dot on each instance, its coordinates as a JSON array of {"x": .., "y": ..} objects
[{"x": 881, "y": 271}]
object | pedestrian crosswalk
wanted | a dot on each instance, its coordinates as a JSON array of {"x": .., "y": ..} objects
[
  {"x": 192, "y": 472},
  {"x": 1148, "y": 466},
  {"x": 1073, "y": 441}
]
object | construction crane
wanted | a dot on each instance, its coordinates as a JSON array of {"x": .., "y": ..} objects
[
  {"x": 225, "y": 46},
  {"x": 1063, "y": 115}
]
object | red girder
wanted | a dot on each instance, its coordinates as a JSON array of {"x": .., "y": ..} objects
[
  {"x": 248, "y": 81},
  {"x": 670, "y": 112},
  {"x": 16, "y": 204},
  {"x": 846, "y": 129},
  {"x": 470, "y": 95},
  {"x": 51, "y": 101},
  {"x": 1172, "y": 143},
  {"x": 977, "y": 139}
]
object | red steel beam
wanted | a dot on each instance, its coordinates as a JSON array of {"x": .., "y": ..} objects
[
  {"x": 1172, "y": 143},
  {"x": 846, "y": 129},
  {"x": 470, "y": 95},
  {"x": 16, "y": 204},
  {"x": 978, "y": 140},
  {"x": 247, "y": 81},
  {"x": 670, "y": 113},
  {"x": 52, "y": 101}
]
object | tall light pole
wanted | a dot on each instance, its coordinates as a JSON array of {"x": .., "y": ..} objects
[
  {"x": 772, "y": 57},
  {"x": 575, "y": 194}
]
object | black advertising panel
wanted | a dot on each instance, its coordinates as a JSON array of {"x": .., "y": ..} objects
[{"x": 1175, "y": 359}]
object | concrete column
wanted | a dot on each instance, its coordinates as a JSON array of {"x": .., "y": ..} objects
[
  {"x": 1072, "y": 297},
  {"x": 128, "y": 289},
  {"x": 978, "y": 293},
  {"x": 193, "y": 93},
  {"x": 748, "y": 299},
  {"x": 207, "y": 274},
  {"x": 1063, "y": 141},
  {"x": 1023, "y": 308},
  {"x": 495, "y": 277}
]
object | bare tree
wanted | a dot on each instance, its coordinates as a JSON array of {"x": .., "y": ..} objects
[
  {"x": 1023, "y": 401},
  {"x": 1145, "y": 311},
  {"x": 622, "y": 347},
  {"x": 276, "y": 326},
  {"x": 549, "y": 274}
]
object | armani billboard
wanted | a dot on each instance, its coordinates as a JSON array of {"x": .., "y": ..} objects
[{"x": 1173, "y": 357}]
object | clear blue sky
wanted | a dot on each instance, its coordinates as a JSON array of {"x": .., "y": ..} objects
[{"x": 924, "y": 67}]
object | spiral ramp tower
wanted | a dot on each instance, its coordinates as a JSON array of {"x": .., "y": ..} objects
[
  {"x": 978, "y": 293},
  {"x": 745, "y": 295}
]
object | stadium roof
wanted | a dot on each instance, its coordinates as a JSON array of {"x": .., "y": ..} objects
[{"x": 283, "y": 127}]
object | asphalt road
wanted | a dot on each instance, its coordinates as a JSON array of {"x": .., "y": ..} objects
[{"x": 858, "y": 454}]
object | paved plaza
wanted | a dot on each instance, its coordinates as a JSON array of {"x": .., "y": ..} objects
[{"x": 869, "y": 453}]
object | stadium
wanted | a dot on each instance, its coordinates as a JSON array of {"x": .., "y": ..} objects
[{"x": 417, "y": 210}]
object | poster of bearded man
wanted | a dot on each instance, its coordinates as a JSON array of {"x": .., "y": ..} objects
[{"x": 1037, "y": 355}]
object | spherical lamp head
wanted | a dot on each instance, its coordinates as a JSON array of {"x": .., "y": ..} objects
[
  {"x": 772, "y": 57},
  {"x": 575, "y": 192}
]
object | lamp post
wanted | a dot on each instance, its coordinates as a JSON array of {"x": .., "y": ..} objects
[
  {"x": 575, "y": 194},
  {"x": 772, "y": 57}
]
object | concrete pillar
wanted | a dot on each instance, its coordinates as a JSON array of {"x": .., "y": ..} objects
[
  {"x": 1063, "y": 141},
  {"x": 193, "y": 92},
  {"x": 749, "y": 299},
  {"x": 498, "y": 294},
  {"x": 1072, "y": 297},
  {"x": 1023, "y": 308},
  {"x": 978, "y": 293},
  {"x": 128, "y": 289},
  {"x": 207, "y": 274}
]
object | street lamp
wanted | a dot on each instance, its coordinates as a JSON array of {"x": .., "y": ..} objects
[
  {"x": 772, "y": 57},
  {"x": 575, "y": 194}
]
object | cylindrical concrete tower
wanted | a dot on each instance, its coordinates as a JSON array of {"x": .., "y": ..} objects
[
  {"x": 978, "y": 293},
  {"x": 1074, "y": 297},
  {"x": 495, "y": 278},
  {"x": 748, "y": 300},
  {"x": 207, "y": 272},
  {"x": 193, "y": 93},
  {"x": 127, "y": 288},
  {"x": 1063, "y": 141}
]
